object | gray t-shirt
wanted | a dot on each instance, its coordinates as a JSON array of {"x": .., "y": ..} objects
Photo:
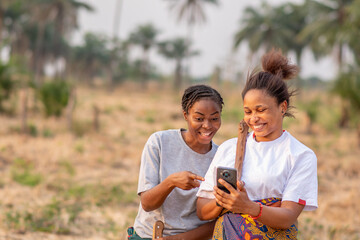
[{"x": 166, "y": 153}]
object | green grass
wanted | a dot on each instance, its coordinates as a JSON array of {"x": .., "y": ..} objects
[
  {"x": 99, "y": 194},
  {"x": 68, "y": 167},
  {"x": 48, "y": 218},
  {"x": 149, "y": 116},
  {"x": 22, "y": 172},
  {"x": 122, "y": 108},
  {"x": 32, "y": 130},
  {"x": 79, "y": 147},
  {"x": 80, "y": 128},
  {"x": 310, "y": 228},
  {"x": 47, "y": 133}
]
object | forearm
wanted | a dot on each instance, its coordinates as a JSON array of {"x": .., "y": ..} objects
[
  {"x": 207, "y": 209},
  {"x": 155, "y": 197},
  {"x": 277, "y": 217},
  {"x": 203, "y": 232}
]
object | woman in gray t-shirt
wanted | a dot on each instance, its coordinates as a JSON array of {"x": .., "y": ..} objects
[{"x": 172, "y": 164}]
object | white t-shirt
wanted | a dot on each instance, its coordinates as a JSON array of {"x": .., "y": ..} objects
[{"x": 284, "y": 168}]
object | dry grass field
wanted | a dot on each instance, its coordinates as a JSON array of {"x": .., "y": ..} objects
[{"x": 81, "y": 184}]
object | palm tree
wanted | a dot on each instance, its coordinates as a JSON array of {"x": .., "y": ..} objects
[
  {"x": 192, "y": 12},
  {"x": 115, "y": 43},
  {"x": 264, "y": 29},
  {"x": 176, "y": 49},
  {"x": 62, "y": 14},
  {"x": 294, "y": 19},
  {"x": 328, "y": 31},
  {"x": 90, "y": 58},
  {"x": 347, "y": 86},
  {"x": 4, "y": 4},
  {"x": 145, "y": 37},
  {"x": 353, "y": 26}
]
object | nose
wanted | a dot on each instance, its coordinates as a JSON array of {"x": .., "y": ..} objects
[
  {"x": 254, "y": 118},
  {"x": 206, "y": 124}
]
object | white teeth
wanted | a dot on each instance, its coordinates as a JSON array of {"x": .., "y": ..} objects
[
  {"x": 258, "y": 126},
  {"x": 205, "y": 134}
]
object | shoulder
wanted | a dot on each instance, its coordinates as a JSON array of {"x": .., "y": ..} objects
[
  {"x": 298, "y": 149},
  {"x": 228, "y": 145},
  {"x": 214, "y": 147},
  {"x": 163, "y": 135}
]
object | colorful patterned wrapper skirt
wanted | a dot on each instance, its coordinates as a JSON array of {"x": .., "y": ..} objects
[{"x": 231, "y": 226}]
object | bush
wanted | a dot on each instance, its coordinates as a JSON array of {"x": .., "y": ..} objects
[
  {"x": 54, "y": 95},
  {"x": 6, "y": 84}
]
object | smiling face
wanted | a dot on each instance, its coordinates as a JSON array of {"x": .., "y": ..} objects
[
  {"x": 204, "y": 120},
  {"x": 263, "y": 115}
]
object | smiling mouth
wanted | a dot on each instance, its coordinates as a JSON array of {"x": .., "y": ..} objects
[
  {"x": 258, "y": 126},
  {"x": 206, "y": 134}
]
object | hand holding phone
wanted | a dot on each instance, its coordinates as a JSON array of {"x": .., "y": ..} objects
[{"x": 227, "y": 174}]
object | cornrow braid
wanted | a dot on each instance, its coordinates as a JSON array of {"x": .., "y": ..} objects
[{"x": 195, "y": 93}]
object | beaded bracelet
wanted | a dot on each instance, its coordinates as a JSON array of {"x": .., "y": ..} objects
[{"x": 259, "y": 215}]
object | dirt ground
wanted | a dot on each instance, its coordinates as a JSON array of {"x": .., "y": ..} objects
[{"x": 81, "y": 184}]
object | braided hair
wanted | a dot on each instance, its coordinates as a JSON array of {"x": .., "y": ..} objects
[{"x": 195, "y": 93}]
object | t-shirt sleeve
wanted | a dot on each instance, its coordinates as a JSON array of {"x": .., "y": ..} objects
[
  {"x": 207, "y": 186},
  {"x": 150, "y": 164},
  {"x": 302, "y": 184}
]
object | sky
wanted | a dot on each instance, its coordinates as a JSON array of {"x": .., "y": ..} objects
[{"x": 214, "y": 39}]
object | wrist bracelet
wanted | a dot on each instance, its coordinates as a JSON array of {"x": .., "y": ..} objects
[{"x": 259, "y": 215}]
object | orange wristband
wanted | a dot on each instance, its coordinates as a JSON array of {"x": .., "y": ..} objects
[{"x": 259, "y": 215}]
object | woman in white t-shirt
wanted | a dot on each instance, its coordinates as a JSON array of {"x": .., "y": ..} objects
[{"x": 279, "y": 176}]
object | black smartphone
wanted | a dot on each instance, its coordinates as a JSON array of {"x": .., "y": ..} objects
[{"x": 228, "y": 174}]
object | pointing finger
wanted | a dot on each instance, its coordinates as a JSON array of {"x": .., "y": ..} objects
[{"x": 194, "y": 176}]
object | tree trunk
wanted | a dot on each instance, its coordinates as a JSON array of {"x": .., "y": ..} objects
[
  {"x": 1, "y": 25},
  {"x": 344, "y": 120},
  {"x": 358, "y": 133},
  {"x": 96, "y": 122},
  {"x": 216, "y": 77},
  {"x": 24, "y": 109},
  {"x": 116, "y": 28},
  {"x": 117, "y": 18},
  {"x": 189, "y": 37},
  {"x": 298, "y": 59},
  {"x": 340, "y": 57},
  {"x": 309, "y": 126},
  {"x": 145, "y": 69},
  {"x": 70, "y": 108},
  {"x": 178, "y": 76},
  {"x": 36, "y": 59}
]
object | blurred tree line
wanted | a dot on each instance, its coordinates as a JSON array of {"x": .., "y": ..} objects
[{"x": 36, "y": 35}]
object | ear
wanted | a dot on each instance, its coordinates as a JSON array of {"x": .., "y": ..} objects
[
  {"x": 185, "y": 115},
  {"x": 283, "y": 107}
]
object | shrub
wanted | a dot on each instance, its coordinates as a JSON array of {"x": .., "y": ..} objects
[
  {"x": 6, "y": 83},
  {"x": 54, "y": 95}
]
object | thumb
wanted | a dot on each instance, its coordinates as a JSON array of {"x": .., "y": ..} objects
[{"x": 241, "y": 185}]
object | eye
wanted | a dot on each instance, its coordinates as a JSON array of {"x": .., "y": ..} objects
[
  {"x": 261, "y": 109},
  {"x": 198, "y": 119},
  {"x": 247, "y": 112},
  {"x": 215, "y": 119}
]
